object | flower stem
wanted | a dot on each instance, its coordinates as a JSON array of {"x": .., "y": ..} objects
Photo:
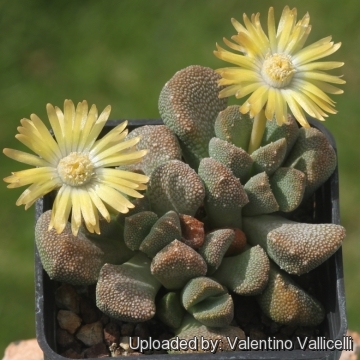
[{"x": 257, "y": 131}]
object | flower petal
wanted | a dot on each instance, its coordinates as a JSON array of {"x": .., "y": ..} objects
[
  {"x": 75, "y": 211},
  {"x": 287, "y": 28},
  {"x": 98, "y": 203},
  {"x": 319, "y": 75},
  {"x": 272, "y": 30},
  {"x": 113, "y": 198},
  {"x": 86, "y": 128},
  {"x": 117, "y": 132},
  {"x": 324, "y": 65},
  {"x": 271, "y": 104},
  {"x": 25, "y": 158},
  {"x": 80, "y": 118},
  {"x": 96, "y": 129},
  {"x": 36, "y": 175},
  {"x": 63, "y": 208},
  {"x": 280, "y": 108},
  {"x": 55, "y": 125},
  {"x": 86, "y": 207},
  {"x": 236, "y": 59},
  {"x": 116, "y": 149},
  {"x": 69, "y": 119},
  {"x": 295, "y": 109},
  {"x": 125, "y": 190},
  {"x": 127, "y": 175}
]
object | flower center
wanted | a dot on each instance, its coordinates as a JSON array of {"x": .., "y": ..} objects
[
  {"x": 76, "y": 169},
  {"x": 277, "y": 70}
]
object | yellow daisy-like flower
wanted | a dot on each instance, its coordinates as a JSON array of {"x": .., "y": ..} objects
[
  {"x": 278, "y": 70},
  {"x": 77, "y": 165}
]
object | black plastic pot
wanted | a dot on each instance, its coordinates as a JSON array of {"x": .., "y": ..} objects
[{"x": 329, "y": 277}]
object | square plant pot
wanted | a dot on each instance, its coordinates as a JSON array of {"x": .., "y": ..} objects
[{"x": 328, "y": 281}]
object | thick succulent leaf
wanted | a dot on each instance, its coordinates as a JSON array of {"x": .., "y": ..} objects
[
  {"x": 261, "y": 196},
  {"x": 225, "y": 195},
  {"x": 296, "y": 247},
  {"x": 176, "y": 264},
  {"x": 286, "y": 303},
  {"x": 175, "y": 186},
  {"x": 137, "y": 227},
  {"x": 163, "y": 232},
  {"x": 269, "y": 157},
  {"x": 274, "y": 132},
  {"x": 208, "y": 301},
  {"x": 189, "y": 104},
  {"x": 314, "y": 156},
  {"x": 162, "y": 146},
  {"x": 234, "y": 158},
  {"x": 215, "y": 246},
  {"x": 170, "y": 310},
  {"x": 288, "y": 186},
  {"x": 127, "y": 292},
  {"x": 234, "y": 127},
  {"x": 245, "y": 274},
  {"x": 76, "y": 260}
]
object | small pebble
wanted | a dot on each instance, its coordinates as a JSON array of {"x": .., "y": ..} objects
[
  {"x": 124, "y": 343},
  {"x": 64, "y": 338},
  {"x": 111, "y": 333},
  {"x": 68, "y": 320},
  {"x": 275, "y": 327},
  {"x": 71, "y": 354},
  {"x": 89, "y": 311},
  {"x": 238, "y": 244},
  {"x": 91, "y": 334},
  {"x": 127, "y": 329},
  {"x": 288, "y": 330},
  {"x": 97, "y": 351},
  {"x": 67, "y": 298},
  {"x": 265, "y": 320},
  {"x": 257, "y": 334},
  {"x": 142, "y": 331},
  {"x": 104, "y": 319},
  {"x": 192, "y": 231}
]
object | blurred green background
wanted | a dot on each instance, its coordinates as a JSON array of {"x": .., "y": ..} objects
[{"x": 122, "y": 53}]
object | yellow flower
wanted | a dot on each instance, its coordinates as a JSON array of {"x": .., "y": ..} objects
[
  {"x": 278, "y": 70},
  {"x": 77, "y": 165}
]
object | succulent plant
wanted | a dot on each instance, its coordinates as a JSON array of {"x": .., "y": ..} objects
[
  {"x": 288, "y": 131},
  {"x": 212, "y": 216},
  {"x": 269, "y": 157},
  {"x": 192, "y": 231},
  {"x": 288, "y": 186}
]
